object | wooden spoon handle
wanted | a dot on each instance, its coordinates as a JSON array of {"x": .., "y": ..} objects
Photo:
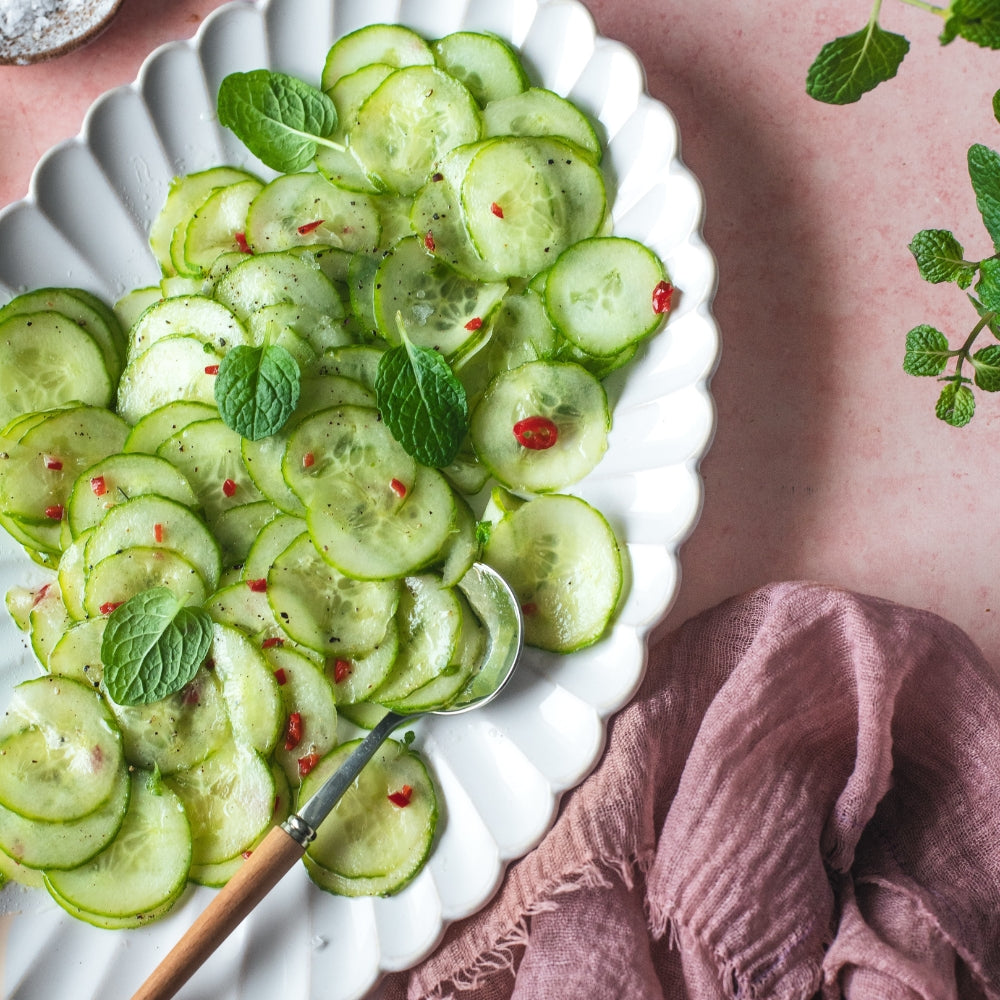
[{"x": 270, "y": 861}]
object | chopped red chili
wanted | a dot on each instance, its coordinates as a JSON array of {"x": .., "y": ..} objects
[
  {"x": 258, "y": 586},
  {"x": 341, "y": 670},
  {"x": 54, "y": 464},
  {"x": 398, "y": 487},
  {"x": 280, "y": 676},
  {"x": 108, "y": 606},
  {"x": 401, "y": 798},
  {"x": 308, "y": 460},
  {"x": 429, "y": 241},
  {"x": 293, "y": 732},
  {"x": 663, "y": 293},
  {"x": 271, "y": 641},
  {"x": 307, "y": 763},
  {"x": 306, "y": 228},
  {"x": 536, "y": 433},
  {"x": 40, "y": 594},
  {"x": 158, "y": 532},
  {"x": 98, "y": 486},
  {"x": 241, "y": 242},
  {"x": 496, "y": 210},
  {"x": 211, "y": 369},
  {"x": 474, "y": 324},
  {"x": 55, "y": 512},
  {"x": 229, "y": 487}
]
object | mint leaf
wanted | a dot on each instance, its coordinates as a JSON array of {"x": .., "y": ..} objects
[
  {"x": 257, "y": 389},
  {"x": 927, "y": 351},
  {"x": 940, "y": 257},
  {"x": 422, "y": 403},
  {"x": 153, "y": 646},
  {"x": 850, "y": 66},
  {"x": 956, "y": 404},
  {"x": 976, "y": 21},
  {"x": 984, "y": 172},
  {"x": 278, "y": 117},
  {"x": 988, "y": 286},
  {"x": 986, "y": 363}
]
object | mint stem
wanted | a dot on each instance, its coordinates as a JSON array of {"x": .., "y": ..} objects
[
  {"x": 964, "y": 353},
  {"x": 931, "y": 8}
]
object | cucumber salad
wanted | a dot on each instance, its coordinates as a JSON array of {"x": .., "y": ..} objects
[{"x": 255, "y": 488}]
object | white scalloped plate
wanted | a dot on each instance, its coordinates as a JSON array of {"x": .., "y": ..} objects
[{"x": 501, "y": 771}]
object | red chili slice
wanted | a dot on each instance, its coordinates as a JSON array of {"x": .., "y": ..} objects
[
  {"x": 308, "y": 227},
  {"x": 55, "y": 512},
  {"x": 402, "y": 797},
  {"x": 663, "y": 293},
  {"x": 293, "y": 733},
  {"x": 54, "y": 464},
  {"x": 280, "y": 676},
  {"x": 429, "y": 242},
  {"x": 241, "y": 242},
  {"x": 341, "y": 671},
  {"x": 211, "y": 369},
  {"x": 307, "y": 763},
  {"x": 398, "y": 487},
  {"x": 229, "y": 488},
  {"x": 158, "y": 532},
  {"x": 258, "y": 586},
  {"x": 108, "y": 606},
  {"x": 496, "y": 210},
  {"x": 308, "y": 460},
  {"x": 98, "y": 486},
  {"x": 271, "y": 641},
  {"x": 536, "y": 433}
]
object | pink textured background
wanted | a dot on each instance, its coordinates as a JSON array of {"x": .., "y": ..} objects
[{"x": 828, "y": 463}]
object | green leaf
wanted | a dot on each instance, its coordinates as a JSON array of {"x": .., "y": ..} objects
[
  {"x": 988, "y": 286},
  {"x": 153, "y": 646},
  {"x": 422, "y": 403},
  {"x": 956, "y": 404},
  {"x": 984, "y": 172},
  {"x": 992, "y": 318},
  {"x": 940, "y": 257},
  {"x": 850, "y": 66},
  {"x": 976, "y": 21},
  {"x": 996, "y": 105},
  {"x": 257, "y": 389},
  {"x": 927, "y": 351},
  {"x": 986, "y": 363},
  {"x": 278, "y": 117}
]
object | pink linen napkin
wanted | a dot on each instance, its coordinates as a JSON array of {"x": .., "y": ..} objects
[{"x": 802, "y": 801}]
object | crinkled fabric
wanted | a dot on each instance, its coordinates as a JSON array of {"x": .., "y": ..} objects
[{"x": 802, "y": 802}]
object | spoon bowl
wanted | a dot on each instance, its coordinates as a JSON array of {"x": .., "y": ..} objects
[
  {"x": 51, "y": 28},
  {"x": 497, "y": 608}
]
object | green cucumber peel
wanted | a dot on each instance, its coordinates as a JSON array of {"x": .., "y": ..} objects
[
  {"x": 279, "y": 118},
  {"x": 257, "y": 389},
  {"x": 153, "y": 646},
  {"x": 422, "y": 403}
]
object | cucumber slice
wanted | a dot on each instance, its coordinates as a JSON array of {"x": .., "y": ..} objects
[
  {"x": 358, "y": 362},
  {"x": 49, "y": 360},
  {"x": 485, "y": 63},
  {"x": 356, "y": 678},
  {"x": 67, "y": 843},
  {"x": 165, "y": 421},
  {"x": 541, "y": 113},
  {"x": 134, "y": 303},
  {"x": 367, "y": 835},
  {"x": 299, "y": 209},
  {"x": 72, "y": 577},
  {"x": 121, "y": 575},
  {"x": 599, "y": 294},
  {"x": 434, "y": 304},
  {"x": 528, "y": 199},
  {"x": 574, "y": 407},
  {"x": 389, "y": 44},
  {"x": 142, "y": 872},
  {"x": 246, "y": 608},
  {"x": 562, "y": 560},
  {"x": 272, "y": 540},
  {"x": 229, "y": 801},
  {"x": 120, "y": 477},
  {"x": 192, "y": 315},
  {"x": 236, "y": 528},
  {"x": 409, "y": 122},
  {"x": 77, "y": 653},
  {"x": 61, "y": 750},
  {"x": 212, "y": 230},
  {"x": 324, "y": 610}
]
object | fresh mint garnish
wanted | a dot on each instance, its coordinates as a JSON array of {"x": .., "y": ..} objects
[
  {"x": 257, "y": 389},
  {"x": 940, "y": 257},
  {"x": 977, "y": 21},
  {"x": 927, "y": 351},
  {"x": 279, "y": 118},
  {"x": 152, "y": 646},
  {"x": 422, "y": 403}
]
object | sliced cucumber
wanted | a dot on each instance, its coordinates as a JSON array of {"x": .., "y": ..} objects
[
  {"x": 191, "y": 315},
  {"x": 390, "y": 44},
  {"x": 539, "y": 112},
  {"x": 485, "y": 63},
  {"x": 77, "y": 653},
  {"x": 212, "y": 230},
  {"x": 121, "y": 575},
  {"x": 356, "y": 678},
  {"x": 165, "y": 421}
]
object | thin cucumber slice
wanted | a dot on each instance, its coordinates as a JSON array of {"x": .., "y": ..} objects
[
  {"x": 324, "y": 610},
  {"x": 67, "y": 843},
  {"x": 389, "y": 44},
  {"x": 485, "y": 63},
  {"x": 77, "y": 653},
  {"x": 434, "y": 304},
  {"x": 49, "y": 360},
  {"x": 192, "y": 315},
  {"x": 249, "y": 687},
  {"x": 461, "y": 548},
  {"x": 599, "y": 294},
  {"x": 177, "y": 732},
  {"x": 212, "y": 230},
  {"x": 368, "y": 835},
  {"x": 165, "y": 421},
  {"x": 574, "y": 408},
  {"x": 310, "y": 711},
  {"x": 246, "y": 607},
  {"x": 304, "y": 208},
  {"x": 156, "y": 521},
  {"x": 176, "y": 368},
  {"x": 527, "y": 199},
  {"x": 141, "y": 872},
  {"x": 356, "y": 678},
  {"x": 120, "y": 477},
  {"x": 229, "y": 801},
  {"x": 562, "y": 560},
  {"x": 303, "y": 331},
  {"x": 121, "y": 575},
  {"x": 358, "y": 362},
  {"x": 236, "y": 528},
  {"x": 134, "y": 303},
  {"x": 61, "y": 750},
  {"x": 409, "y": 122},
  {"x": 539, "y": 112},
  {"x": 72, "y": 576},
  {"x": 272, "y": 540},
  {"x": 11, "y": 870}
]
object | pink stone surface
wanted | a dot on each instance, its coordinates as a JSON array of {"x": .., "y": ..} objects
[{"x": 828, "y": 463}]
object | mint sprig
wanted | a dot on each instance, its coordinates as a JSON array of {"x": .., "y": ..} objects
[
  {"x": 257, "y": 389},
  {"x": 422, "y": 403},
  {"x": 153, "y": 646},
  {"x": 280, "y": 118}
]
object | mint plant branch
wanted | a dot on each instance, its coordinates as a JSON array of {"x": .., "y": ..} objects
[{"x": 850, "y": 66}]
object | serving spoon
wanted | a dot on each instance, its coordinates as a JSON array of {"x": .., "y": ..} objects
[
  {"x": 49, "y": 29},
  {"x": 494, "y": 603}
]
